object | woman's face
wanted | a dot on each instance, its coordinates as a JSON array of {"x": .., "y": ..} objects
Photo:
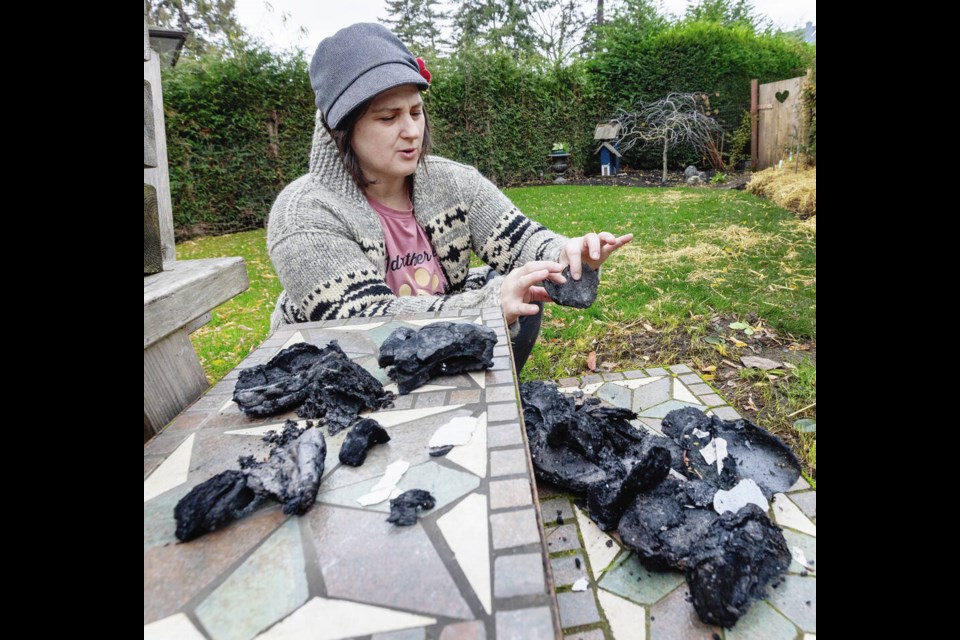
[{"x": 387, "y": 138}]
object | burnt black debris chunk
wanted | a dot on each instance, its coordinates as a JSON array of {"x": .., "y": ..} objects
[
  {"x": 606, "y": 501},
  {"x": 752, "y": 451},
  {"x": 290, "y": 432},
  {"x": 404, "y": 508},
  {"x": 212, "y": 504},
  {"x": 361, "y": 437},
  {"x": 436, "y": 452},
  {"x": 591, "y": 450},
  {"x": 575, "y": 293},
  {"x": 441, "y": 348},
  {"x": 323, "y": 383},
  {"x": 665, "y": 525},
  {"x": 291, "y": 475},
  {"x": 740, "y": 555}
]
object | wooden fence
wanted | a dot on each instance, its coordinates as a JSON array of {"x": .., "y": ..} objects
[{"x": 779, "y": 125}]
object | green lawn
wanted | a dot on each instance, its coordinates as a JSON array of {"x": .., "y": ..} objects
[{"x": 702, "y": 259}]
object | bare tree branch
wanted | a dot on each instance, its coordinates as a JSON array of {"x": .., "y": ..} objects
[{"x": 669, "y": 121}]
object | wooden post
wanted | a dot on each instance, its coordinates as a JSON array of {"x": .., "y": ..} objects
[
  {"x": 158, "y": 176},
  {"x": 754, "y": 124}
]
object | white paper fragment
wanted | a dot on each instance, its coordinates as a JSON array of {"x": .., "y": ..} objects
[
  {"x": 375, "y": 497},
  {"x": 580, "y": 585},
  {"x": 456, "y": 432},
  {"x": 800, "y": 558},
  {"x": 387, "y": 486},
  {"x": 745, "y": 492},
  {"x": 721, "y": 446},
  {"x": 709, "y": 452},
  {"x": 701, "y": 434},
  {"x": 715, "y": 451}
]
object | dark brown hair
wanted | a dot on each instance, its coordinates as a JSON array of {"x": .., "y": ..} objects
[{"x": 343, "y": 135}]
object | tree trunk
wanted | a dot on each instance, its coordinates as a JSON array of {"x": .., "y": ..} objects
[
  {"x": 599, "y": 11},
  {"x": 664, "y": 178}
]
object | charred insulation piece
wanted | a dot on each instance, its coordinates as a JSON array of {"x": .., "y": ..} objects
[
  {"x": 404, "y": 508},
  {"x": 215, "y": 503},
  {"x": 441, "y": 348},
  {"x": 290, "y": 475},
  {"x": 575, "y": 293},
  {"x": 665, "y": 525},
  {"x": 323, "y": 383},
  {"x": 728, "y": 559},
  {"x": 751, "y": 451},
  {"x": 361, "y": 437},
  {"x": 591, "y": 450},
  {"x": 740, "y": 555}
]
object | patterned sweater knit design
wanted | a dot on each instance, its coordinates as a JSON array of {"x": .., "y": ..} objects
[{"x": 327, "y": 244}]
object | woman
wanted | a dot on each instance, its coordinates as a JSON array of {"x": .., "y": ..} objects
[{"x": 379, "y": 227}]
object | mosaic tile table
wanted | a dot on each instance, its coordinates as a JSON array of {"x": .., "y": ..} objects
[
  {"x": 473, "y": 567},
  {"x": 624, "y": 601}
]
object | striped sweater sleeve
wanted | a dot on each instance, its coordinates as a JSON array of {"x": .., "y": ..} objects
[{"x": 503, "y": 237}]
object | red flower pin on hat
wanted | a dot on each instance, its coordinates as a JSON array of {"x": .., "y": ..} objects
[{"x": 423, "y": 69}]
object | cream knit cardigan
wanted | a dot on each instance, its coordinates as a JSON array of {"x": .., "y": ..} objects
[{"x": 327, "y": 245}]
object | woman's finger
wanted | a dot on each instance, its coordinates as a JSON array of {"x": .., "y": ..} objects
[
  {"x": 572, "y": 251},
  {"x": 539, "y": 294},
  {"x": 593, "y": 246},
  {"x": 527, "y": 281}
]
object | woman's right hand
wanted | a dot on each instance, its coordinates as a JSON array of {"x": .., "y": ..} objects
[{"x": 521, "y": 287}]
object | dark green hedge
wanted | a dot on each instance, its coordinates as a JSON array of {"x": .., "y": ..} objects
[
  {"x": 692, "y": 57},
  {"x": 238, "y": 130},
  {"x": 503, "y": 116}
]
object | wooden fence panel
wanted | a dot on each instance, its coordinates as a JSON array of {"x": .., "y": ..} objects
[{"x": 780, "y": 122}]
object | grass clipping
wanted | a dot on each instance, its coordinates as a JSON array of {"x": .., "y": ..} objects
[{"x": 794, "y": 191}]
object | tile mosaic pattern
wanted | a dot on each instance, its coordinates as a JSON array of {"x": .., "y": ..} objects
[
  {"x": 625, "y": 601},
  {"x": 474, "y": 566}
]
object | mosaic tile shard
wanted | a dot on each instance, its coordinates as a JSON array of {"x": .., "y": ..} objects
[
  {"x": 789, "y": 515},
  {"x": 627, "y": 620},
  {"x": 473, "y": 455},
  {"x": 456, "y": 432},
  {"x": 636, "y": 383},
  {"x": 682, "y": 393},
  {"x": 294, "y": 339},
  {"x": 176, "y": 627},
  {"x": 394, "y": 567},
  {"x": 269, "y": 585},
  {"x": 389, "y": 418},
  {"x": 465, "y": 529},
  {"x": 601, "y": 548},
  {"x": 328, "y": 619},
  {"x": 171, "y": 473}
]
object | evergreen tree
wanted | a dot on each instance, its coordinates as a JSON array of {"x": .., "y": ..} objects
[
  {"x": 416, "y": 23},
  {"x": 498, "y": 24},
  {"x": 209, "y": 24}
]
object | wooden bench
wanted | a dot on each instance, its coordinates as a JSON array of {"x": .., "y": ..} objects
[{"x": 178, "y": 299}]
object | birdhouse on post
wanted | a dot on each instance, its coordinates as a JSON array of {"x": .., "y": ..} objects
[{"x": 609, "y": 133}]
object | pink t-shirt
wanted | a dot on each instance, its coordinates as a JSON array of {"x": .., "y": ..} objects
[{"x": 412, "y": 265}]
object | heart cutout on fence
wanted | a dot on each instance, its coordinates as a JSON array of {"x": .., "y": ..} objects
[{"x": 782, "y": 96}]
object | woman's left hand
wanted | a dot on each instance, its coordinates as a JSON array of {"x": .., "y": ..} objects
[{"x": 591, "y": 249}]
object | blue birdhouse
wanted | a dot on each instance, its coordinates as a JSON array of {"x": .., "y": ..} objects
[{"x": 609, "y": 134}]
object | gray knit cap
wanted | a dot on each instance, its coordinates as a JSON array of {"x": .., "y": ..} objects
[{"x": 355, "y": 64}]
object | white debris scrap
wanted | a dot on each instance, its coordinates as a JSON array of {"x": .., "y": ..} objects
[
  {"x": 456, "y": 432},
  {"x": 387, "y": 487},
  {"x": 745, "y": 492}
]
